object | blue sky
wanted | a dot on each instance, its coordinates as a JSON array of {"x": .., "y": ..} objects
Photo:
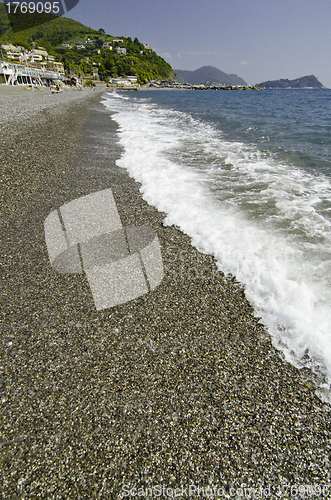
[{"x": 256, "y": 39}]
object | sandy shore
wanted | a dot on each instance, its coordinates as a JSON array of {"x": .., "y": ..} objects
[{"x": 178, "y": 387}]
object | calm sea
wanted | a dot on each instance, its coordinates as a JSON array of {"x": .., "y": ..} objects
[{"x": 247, "y": 175}]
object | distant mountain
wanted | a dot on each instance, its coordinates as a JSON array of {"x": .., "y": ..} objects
[
  {"x": 208, "y": 75},
  {"x": 300, "y": 83}
]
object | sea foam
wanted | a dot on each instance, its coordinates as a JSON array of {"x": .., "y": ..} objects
[{"x": 265, "y": 222}]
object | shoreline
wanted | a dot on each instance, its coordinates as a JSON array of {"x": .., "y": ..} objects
[{"x": 179, "y": 386}]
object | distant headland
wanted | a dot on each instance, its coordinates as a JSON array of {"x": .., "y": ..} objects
[
  {"x": 305, "y": 82},
  {"x": 208, "y": 76}
]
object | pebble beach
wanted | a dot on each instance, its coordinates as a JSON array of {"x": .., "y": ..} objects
[{"x": 172, "y": 393}]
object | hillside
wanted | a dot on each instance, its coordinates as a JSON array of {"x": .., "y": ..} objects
[
  {"x": 208, "y": 75},
  {"x": 99, "y": 54},
  {"x": 299, "y": 83}
]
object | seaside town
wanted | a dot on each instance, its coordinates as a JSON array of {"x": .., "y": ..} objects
[{"x": 36, "y": 68}]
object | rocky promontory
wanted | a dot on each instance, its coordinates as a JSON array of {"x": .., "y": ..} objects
[{"x": 305, "y": 82}]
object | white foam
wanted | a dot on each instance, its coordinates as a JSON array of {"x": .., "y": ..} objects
[{"x": 266, "y": 223}]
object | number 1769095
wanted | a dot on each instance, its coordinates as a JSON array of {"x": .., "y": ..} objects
[{"x": 31, "y": 7}]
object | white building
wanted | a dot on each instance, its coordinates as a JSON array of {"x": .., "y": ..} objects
[
  {"x": 125, "y": 81},
  {"x": 17, "y": 74},
  {"x": 12, "y": 51},
  {"x": 36, "y": 55}
]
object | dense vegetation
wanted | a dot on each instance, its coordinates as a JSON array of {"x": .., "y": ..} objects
[
  {"x": 51, "y": 32},
  {"x": 299, "y": 83}
]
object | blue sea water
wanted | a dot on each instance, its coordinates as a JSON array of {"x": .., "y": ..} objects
[{"x": 247, "y": 175}]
